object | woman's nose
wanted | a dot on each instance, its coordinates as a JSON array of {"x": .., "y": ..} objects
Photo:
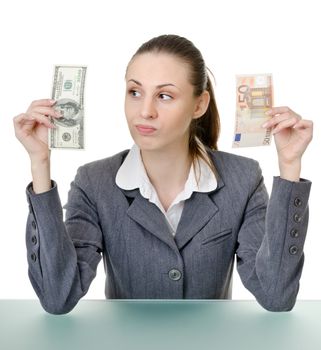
[{"x": 148, "y": 109}]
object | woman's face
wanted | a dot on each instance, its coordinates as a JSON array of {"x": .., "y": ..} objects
[{"x": 159, "y": 103}]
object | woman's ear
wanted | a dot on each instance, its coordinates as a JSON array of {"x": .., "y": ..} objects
[{"x": 201, "y": 104}]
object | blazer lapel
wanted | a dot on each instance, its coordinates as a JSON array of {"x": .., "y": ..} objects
[
  {"x": 149, "y": 216},
  {"x": 197, "y": 212}
]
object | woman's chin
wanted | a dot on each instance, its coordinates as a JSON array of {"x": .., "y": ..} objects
[
  {"x": 146, "y": 148},
  {"x": 146, "y": 144}
]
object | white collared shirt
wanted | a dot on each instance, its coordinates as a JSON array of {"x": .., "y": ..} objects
[{"x": 132, "y": 174}]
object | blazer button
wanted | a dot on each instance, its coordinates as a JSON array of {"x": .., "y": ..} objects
[
  {"x": 34, "y": 240},
  {"x": 33, "y": 224},
  {"x": 297, "y": 218},
  {"x": 33, "y": 257},
  {"x": 293, "y": 249},
  {"x": 297, "y": 202},
  {"x": 174, "y": 274},
  {"x": 294, "y": 233}
]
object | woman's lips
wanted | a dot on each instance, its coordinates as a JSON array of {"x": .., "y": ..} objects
[{"x": 145, "y": 129}]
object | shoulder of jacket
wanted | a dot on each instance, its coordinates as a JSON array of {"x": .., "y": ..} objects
[
  {"x": 238, "y": 173},
  {"x": 227, "y": 160},
  {"x": 107, "y": 166}
]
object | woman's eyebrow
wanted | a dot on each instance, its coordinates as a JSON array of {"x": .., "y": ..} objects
[{"x": 158, "y": 86}]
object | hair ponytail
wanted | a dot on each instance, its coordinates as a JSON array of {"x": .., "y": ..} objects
[{"x": 204, "y": 131}]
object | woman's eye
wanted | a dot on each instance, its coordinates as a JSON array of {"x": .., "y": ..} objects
[
  {"x": 165, "y": 97},
  {"x": 134, "y": 93}
]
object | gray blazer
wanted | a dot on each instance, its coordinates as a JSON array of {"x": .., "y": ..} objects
[{"x": 143, "y": 260}]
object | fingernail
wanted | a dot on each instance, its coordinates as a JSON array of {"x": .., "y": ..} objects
[
  {"x": 268, "y": 112},
  {"x": 264, "y": 125},
  {"x": 52, "y": 101}
]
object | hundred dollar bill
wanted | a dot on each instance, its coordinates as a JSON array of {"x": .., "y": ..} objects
[
  {"x": 68, "y": 91},
  {"x": 254, "y": 96}
]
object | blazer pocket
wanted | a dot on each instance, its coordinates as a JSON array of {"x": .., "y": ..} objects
[{"x": 217, "y": 237}]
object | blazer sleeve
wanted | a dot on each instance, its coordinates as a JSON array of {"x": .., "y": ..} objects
[
  {"x": 270, "y": 241},
  {"x": 62, "y": 256}
]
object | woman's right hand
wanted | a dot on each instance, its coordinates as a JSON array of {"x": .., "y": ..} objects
[{"x": 31, "y": 128}]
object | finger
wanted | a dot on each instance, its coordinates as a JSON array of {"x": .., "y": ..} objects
[
  {"x": 21, "y": 119},
  {"x": 41, "y": 119},
  {"x": 48, "y": 111},
  {"x": 288, "y": 123},
  {"x": 19, "y": 122},
  {"x": 304, "y": 124},
  {"x": 276, "y": 119},
  {"x": 43, "y": 102},
  {"x": 306, "y": 127},
  {"x": 17, "y": 119},
  {"x": 278, "y": 110},
  {"x": 29, "y": 119}
]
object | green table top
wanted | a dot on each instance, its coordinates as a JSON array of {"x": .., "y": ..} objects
[{"x": 160, "y": 324}]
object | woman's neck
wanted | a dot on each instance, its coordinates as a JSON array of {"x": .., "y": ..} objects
[{"x": 167, "y": 169}]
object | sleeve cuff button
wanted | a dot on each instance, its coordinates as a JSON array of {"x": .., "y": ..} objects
[
  {"x": 33, "y": 257},
  {"x": 297, "y": 218},
  {"x": 293, "y": 249},
  {"x": 294, "y": 233},
  {"x": 34, "y": 240},
  {"x": 297, "y": 202}
]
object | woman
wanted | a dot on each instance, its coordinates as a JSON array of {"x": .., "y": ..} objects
[{"x": 169, "y": 215}]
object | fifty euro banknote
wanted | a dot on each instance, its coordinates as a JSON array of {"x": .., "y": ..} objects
[{"x": 254, "y": 96}]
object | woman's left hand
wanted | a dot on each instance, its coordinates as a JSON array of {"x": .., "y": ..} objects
[{"x": 292, "y": 134}]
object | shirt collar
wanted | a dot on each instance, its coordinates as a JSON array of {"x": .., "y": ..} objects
[{"x": 132, "y": 175}]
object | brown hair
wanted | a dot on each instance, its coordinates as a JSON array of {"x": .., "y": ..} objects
[{"x": 206, "y": 129}]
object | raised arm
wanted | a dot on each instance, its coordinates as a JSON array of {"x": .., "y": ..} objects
[
  {"x": 31, "y": 129},
  {"x": 62, "y": 256}
]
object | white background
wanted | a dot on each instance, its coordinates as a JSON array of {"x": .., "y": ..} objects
[{"x": 235, "y": 37}]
